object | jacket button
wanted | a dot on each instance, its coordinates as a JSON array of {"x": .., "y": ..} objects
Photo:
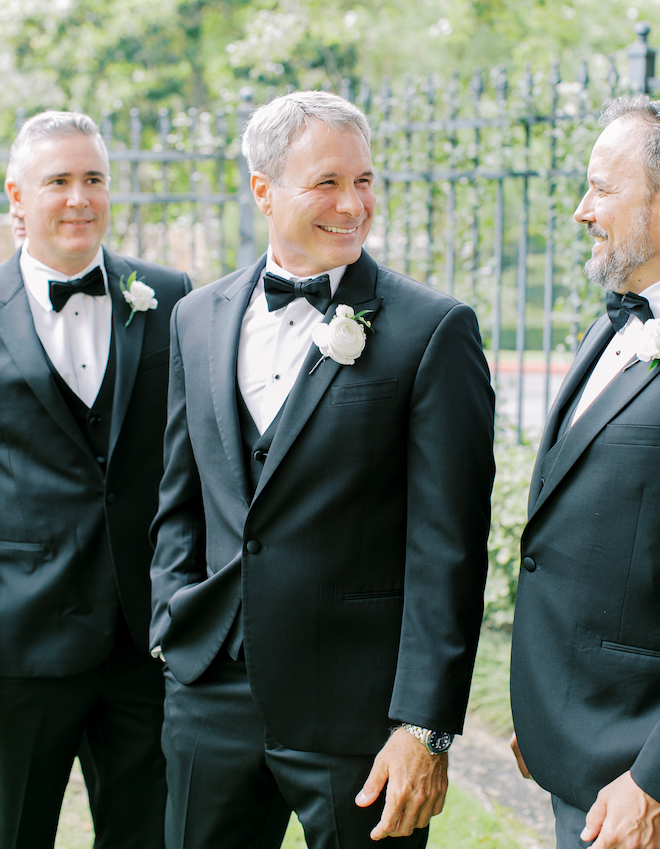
[
  {"x": 94, "y": 421},
  {"x": 259, "y": 455},
  {"x": 529, "y": 564},
  {"x": 111, "y": 498},
  {"x": 253, "y": 546}
]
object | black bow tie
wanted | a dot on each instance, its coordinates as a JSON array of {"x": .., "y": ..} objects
[
  {"x": 90, "y": 284},
  {"x": 620, "y": 307},
  {"x": 280, "y": 292}
]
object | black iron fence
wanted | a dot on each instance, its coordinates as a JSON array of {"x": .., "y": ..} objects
[{"x": 477, "y": 183}]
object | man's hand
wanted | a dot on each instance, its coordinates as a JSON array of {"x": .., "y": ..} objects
[
  {"x": 513, "y": 742},
  {"x": 416, "y": 785},
  {"x": 623, "y": 817}
]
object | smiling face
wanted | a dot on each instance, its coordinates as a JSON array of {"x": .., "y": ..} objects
[
  {"x": 64, "y": 200},
  {"x": 618, "y": 212},
  {"x": 320, "y": 216}
]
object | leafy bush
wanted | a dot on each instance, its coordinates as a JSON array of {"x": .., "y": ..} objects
[{"x": 509, "y": 512}]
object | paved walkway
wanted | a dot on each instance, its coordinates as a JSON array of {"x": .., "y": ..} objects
[{"x": 483, "y": 763}]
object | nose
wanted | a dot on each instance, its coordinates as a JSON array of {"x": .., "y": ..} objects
[
  {"x": 77, "y": 196},
  {"x": 585, "y": 210},
  {"x": 350, "y": 202}
]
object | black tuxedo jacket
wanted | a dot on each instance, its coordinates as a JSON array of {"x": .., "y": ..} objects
[
  {"x": 585, "y": 678},
  {"x": 74, "y": 538},
  {"x": 363, "y": 549}
]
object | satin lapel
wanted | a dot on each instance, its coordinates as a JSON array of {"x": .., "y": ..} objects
[
  {"x": 225, "y": 322},
  {"x": 20, "y": 337},
  {"x": 357, "y": 289},
  {"x": 128, "y": 342},
  {"x": 594, "y": 343},
  {"x": 617, "y": 394}
]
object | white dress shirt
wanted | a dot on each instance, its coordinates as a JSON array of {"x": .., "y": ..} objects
[
  {"x": 77, "y": 338},
  {"x": 273, "y": 345},
  {"x": 621, "y": 349}
]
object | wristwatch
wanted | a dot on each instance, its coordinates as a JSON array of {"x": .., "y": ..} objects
[{"x": 436, "y": 742}]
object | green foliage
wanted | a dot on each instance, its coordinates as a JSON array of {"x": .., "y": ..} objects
[
  {"x": 509, "y": 512},
  {"x": 489, "y": 693},
  {"x": 463, "y": 824},
  {"x": 79, "y": 53}
]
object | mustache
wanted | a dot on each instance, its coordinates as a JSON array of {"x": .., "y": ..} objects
[{"x": 594, "y": 230}]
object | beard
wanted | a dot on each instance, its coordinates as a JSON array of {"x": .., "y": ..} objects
[{"x": 613, "y": 271}]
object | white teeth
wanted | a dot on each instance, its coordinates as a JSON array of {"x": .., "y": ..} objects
[{"x": 337, "y": 229}]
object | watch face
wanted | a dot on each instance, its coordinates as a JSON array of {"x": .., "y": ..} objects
[{"x": 439, "y": 741}]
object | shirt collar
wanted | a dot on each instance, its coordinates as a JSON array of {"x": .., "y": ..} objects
[
  {"x": 652, "y": 295},
  {"x": 36, "y": 275},
  {"x": 335, "y": 274}
]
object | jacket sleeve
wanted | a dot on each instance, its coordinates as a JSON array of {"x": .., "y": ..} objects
[
  {"x": 178, "y": 529},
  {"x": 449, "y": 478}
]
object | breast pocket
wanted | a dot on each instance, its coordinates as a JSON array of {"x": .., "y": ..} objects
[
  {"x": 155, "y": 359},
  {"x": 624, "y": 434},
  {"x": 355, "y": 393}
]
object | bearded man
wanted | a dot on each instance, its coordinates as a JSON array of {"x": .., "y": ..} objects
[{"x": 585, "y": 674}]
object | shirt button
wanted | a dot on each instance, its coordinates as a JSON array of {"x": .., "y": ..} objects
[
  {"x": 290, "y": 324},
  {"x": 276, "y": 377},
  {"x": 253, "y": 546}
]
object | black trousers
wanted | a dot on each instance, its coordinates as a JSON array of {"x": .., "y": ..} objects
[
  {"x": 118, "y": 709},
  {"x": 230, "y": 787},
  {"x": 569, "y": 823}
]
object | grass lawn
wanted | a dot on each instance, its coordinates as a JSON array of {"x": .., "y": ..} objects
[{"x": 464, "y": 824}]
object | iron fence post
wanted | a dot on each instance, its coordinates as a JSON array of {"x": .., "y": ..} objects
[
  {"x": 641, "y": 60},
  {"x": 246, "y": 253}
]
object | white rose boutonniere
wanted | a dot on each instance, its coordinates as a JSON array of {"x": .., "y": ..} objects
[
  {"x": 648, "y": 347},
  {"x": 137, "y": 295},
  {"x": 342, "y": 340}
]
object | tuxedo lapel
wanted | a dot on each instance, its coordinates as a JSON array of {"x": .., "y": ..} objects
[
  {"x": 20, "y": 337},
  {"x": 357, "y": 289},
  {"x": 225, "y": 323},
  {"x": 128, "y": 342},
  {"x": 628, "y": 383},
  {"x": 593, "y": 345}
]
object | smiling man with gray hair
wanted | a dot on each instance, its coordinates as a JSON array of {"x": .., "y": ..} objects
[{"x": 321, "y": 535}]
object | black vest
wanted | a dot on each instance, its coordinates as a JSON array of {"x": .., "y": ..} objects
[
  {"x": 255, "y": 451},
  {"x": 94, "y": 422}
]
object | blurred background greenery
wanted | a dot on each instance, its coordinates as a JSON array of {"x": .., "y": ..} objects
[{"x": 77, "y": 54}]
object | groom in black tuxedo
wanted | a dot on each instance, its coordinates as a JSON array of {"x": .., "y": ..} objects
[
  {"x": 83, "y": 385},
  {"x": 321, "y": 535},
  {"x": 585, "y": 669}
]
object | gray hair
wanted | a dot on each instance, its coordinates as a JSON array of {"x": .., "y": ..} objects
[
  {"x": 47, "y": 125},
  {"x": 647, "y": 112},
  {"x": 271, "y": 128}
]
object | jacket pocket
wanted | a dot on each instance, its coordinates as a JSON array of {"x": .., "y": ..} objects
[
  {"x": 354, "y": 393},
  {"x": 374, "y": 595},
  {"x": 10, "y": 545},
  {"x": 155, "y": 359},
  {"x": 606, "y": 644},
  {"x": 624, "y": 434},
  {"x": 25, "y": 557}
]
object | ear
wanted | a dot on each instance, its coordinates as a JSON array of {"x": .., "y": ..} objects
[
  {"x": 15, "y": 196},
  {"x": 260, "y": 185}
]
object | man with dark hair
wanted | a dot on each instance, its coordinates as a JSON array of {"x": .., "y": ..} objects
[
  {"x": 321, "y": 535},
  {"x": 84, "y": 344},
  {"x": 585, "y": 673}
]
